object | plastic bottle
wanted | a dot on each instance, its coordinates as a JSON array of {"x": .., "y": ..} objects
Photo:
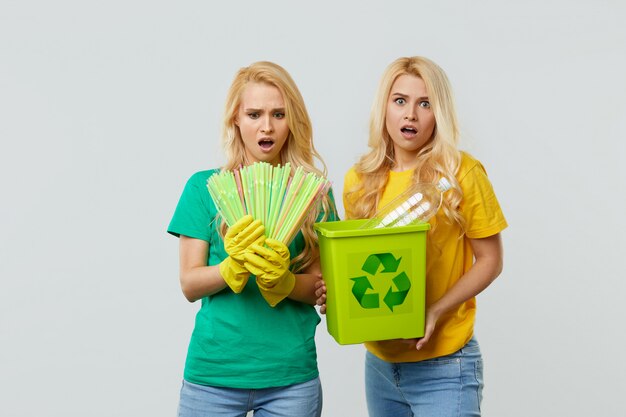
[{"x": 418, "y": 203}]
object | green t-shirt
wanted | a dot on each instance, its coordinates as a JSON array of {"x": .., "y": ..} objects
[{"x": 239, "y": 341}]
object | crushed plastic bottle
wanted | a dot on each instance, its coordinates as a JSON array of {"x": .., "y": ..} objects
[{"x": 417, "y": 204}]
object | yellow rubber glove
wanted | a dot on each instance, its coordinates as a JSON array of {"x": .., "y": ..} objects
[
  {"x": 236, "y": 242},
  {"x": 271, "y": 266}
]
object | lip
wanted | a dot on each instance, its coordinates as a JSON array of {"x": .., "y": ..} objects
[
  {"x": 408, "y": 134},
  {"x": 266, "y": 148}
]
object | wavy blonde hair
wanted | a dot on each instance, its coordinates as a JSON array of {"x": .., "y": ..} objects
[
  {"x": 439, "y": 157},
  {"x": 298, "y": 149}
]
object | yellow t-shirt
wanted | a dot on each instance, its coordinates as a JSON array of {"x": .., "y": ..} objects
[{"x": 447, "y": 257}]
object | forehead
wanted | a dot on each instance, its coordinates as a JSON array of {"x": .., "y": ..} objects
[
  {"x": 410, "y": 85},
  {"x": 261, "y": 95}
]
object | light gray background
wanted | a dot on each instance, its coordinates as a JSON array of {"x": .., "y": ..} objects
[{"x": 106, "y": 108}]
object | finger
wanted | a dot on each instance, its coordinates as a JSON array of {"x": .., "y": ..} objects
[
  {"x": 320, "y": 291},
  {"x": 255, "y": 270},
  {"x": 260, "y": 240},
  {"x": 264, "y": 252},
  {"x": 252, "y": 234},
  {"x": 422, "y": 341},
  {"x": 250, "y": 228},
  {"x": 278, "y": 246},
  {"x": 257, "y": 261},
  {"x": 239, "y": 249},
  {"x": 240, "y": 225},
  {"x": 323, "y": 309},
  {"x": 270, "y": 255}
]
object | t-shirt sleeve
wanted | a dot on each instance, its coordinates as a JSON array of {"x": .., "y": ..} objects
[
  {"x": 195, "y": 211},
  {"x": 480, "y": 207}
]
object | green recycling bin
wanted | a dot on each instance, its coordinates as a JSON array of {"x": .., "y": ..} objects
[{"x": 375, "y": 280}]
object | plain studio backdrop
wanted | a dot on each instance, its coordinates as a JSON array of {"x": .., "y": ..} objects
[{"x": 106, "y": 108}]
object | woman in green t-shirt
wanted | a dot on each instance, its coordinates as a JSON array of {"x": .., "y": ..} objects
[{"x": 253, "y": 344}]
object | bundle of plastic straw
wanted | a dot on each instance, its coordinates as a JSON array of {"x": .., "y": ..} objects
[{"x": 273, "y": 194}]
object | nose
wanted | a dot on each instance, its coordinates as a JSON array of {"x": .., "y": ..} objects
[
  {"x": 411, "y": 114},
  {"x": 267, "y": 126}
]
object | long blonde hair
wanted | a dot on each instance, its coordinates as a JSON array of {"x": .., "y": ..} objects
[
  {"x": 439, "y": 157},
  {"x": 298, "y": 149}
]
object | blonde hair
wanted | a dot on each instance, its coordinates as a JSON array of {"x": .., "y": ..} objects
[
  {"x": 298, "y": 149},
  {"x": 439, "y": 157}
]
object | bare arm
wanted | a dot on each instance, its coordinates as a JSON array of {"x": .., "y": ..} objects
[
  {"x": 304, "y": 290},
  {"x": 488, "y": 256},
  {"x": 197, "y": 280}
]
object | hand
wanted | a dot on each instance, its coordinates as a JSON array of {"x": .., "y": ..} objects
[
  {"x": 236, "y": 243},
  {"x": 271, "y": 266},
  {"x": 320, "y": 293},
  {"x": 432, "y": 316},
  {"x": 241, "y": 235}
]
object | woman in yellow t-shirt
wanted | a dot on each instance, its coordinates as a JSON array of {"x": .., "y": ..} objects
[{"x": 413, "y": 138}]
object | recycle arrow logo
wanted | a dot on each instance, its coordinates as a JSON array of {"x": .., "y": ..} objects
[{"x": 371, "y": 266}]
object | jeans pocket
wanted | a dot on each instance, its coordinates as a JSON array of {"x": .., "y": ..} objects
[{"x": 437, "y": 369}]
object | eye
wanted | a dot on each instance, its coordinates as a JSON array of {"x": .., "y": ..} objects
[
  {"x": 279, "y": 115},
  {"x": 253, "y": 115},
  {"x": 425, "y": 104},
  {"x": 400, "y": 101}
]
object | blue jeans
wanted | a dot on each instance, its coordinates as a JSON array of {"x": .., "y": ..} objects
[
  {"x": 302, "y": 400},
  {"x": 449, "y": 386}
]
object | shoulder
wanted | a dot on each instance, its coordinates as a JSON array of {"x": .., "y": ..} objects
[
  {"x": 195, "y": 210},
  {"x": 201, "y": 177},
  {"x": 197, "y": 182},
  {"x": 479, "y": 206},
  {"x": 351, "y": 178},
  {"x": 196, "y": 189},
  {"x": 469, "y": 165}
]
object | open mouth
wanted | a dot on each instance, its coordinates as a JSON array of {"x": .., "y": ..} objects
[
  {"x": 266, "y": 143},
  {"x": 409, "y": 131}
]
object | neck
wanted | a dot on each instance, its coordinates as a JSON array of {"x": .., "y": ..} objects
[{"x": 404, "y": 162}]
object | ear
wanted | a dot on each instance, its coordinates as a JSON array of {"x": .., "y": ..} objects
[{"x": 236, "y": 120}]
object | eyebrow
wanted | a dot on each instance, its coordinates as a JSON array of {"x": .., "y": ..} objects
[
  {"x": 251, "y": 109},
  {"x": 406, "y": 96}
]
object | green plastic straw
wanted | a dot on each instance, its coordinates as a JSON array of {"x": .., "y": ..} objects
[
  {"x": 221, "y": 200},
  {"x": 281, "y": 180},
  {"x": 263, "y": 191},
  {"x": 298, "y": 202},
  {"x": 246, "y": 191},
  {"x": 274, "y": 183},
  {"x": 310, "y": 200},
  {"x": 294, "y": 185},
  {"x": 233, "y": 196},
  {"x": 258, "y": 188},
  {"x": 303, "y": 202},
  {"x": 278, "y": 197},
  {"x": 229, "y": 189},
  {"x": 273, "y": 202}
]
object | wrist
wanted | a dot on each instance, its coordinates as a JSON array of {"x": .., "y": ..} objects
[
  {"x": 277, "y": 290},
  {"x": 234, "y": 274},
  {"x": 436, "y": 310}
]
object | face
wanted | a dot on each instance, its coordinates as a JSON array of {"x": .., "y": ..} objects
[
  {"x": 410, "y": 120},
  {"x": 262, "y": 123}
]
